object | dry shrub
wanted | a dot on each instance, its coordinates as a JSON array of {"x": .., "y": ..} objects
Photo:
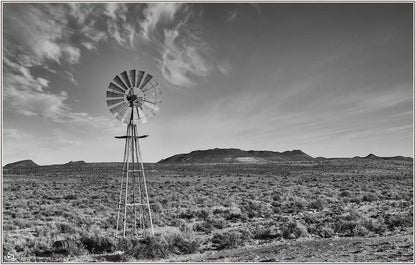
[
  {"x": 150, "y": 248},
  {"x": 326, "y": 232},
  {"x": 376, "y": 226},
  {"x": 293, "y": 230},
  {"x": 210, "y": 224},
  {"x": 162, "y": 246},
  {"x": 398, "y": 220},
  {"x": 359, "y": 230},
  {"x": 230, "y": 239},
  {"x": 369, "y": 197},
  {"x": 97, "y": 244},
  {"x": 317, "y": 204},
  {"x": 265, "y": 233},
  {"x": 183, "y": 243},
  {"x": 345, "y": 193}
]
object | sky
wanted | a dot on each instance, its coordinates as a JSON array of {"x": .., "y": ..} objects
[{"x": 333, "y": 80}]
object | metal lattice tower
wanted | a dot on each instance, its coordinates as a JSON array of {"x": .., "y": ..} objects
[{"x": 133, "y": 98}]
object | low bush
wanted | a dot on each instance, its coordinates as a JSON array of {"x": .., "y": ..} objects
[
  {"x": 210, "y": 224},
  {"x": 359, "y": 230},
  {"x": 293, "y": 230},
  {"x": 150, "y": 248},
  {"x": 97, "y": 244},
  {"x": 326, "y": 232},
  {"x": 265, "y": 233},
  {"x": 376, "y": 226},
  {"x": 70, "y": 197},
  {"x": 345, "y": 227},
  {"x": 230, "y": 239},
  {"x": 317, "y": 204},
  {"x": 159, "y": 247},
  {"x": 295, "y": 205},
  {"x": 345, "y": 193},
  {"x": 398, "y": 220},
  {"x": 127, "y": 243},
  {"x": 370, "y": 197},
  {"x": 183, "y": 244}
]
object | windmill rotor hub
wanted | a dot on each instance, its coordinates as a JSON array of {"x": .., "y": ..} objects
[{"x": 131, "y": 98}]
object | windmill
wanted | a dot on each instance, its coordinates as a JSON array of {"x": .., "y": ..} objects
[{"x": 132, "y": 98}]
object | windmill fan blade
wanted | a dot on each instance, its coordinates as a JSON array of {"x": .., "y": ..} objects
[
  {"x": 133, "y": 78},
  {"x": 151, "y": 105},
  {"x": 114, "y": 95},
  {"x": 120, "y": 116},
  {"x": 118, "y": 81},
  {"x": 139, "y": 78},
  {"x": 136, "y": 116},
  {"x": 125, "y": 78},
  {"x": 152, "y": 97},
  {"x": 115, "y": 88},
  {"x": 125, "y": 116},
  {"x": 146, "y": 111},
  {"x": 118, "y": 108},
  {"x": 112, "y": 102},
  {"x": 145, "y": 81},
  {"x": 152, "y": 89},
  {"x": 142, "y": 116}
]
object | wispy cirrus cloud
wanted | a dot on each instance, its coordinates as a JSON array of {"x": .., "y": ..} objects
[
  {"x": 156, "y": 13},
  {"x": 183, "y": 51},
  {"x": 38, "y": 35},
  {"x": 224, "y": 67},
  {"x": 181, "y": 59},
  {"x": 40, "y": 32},
  {"x": 34, "y": 103},
  {"x": 54, "y": 36},
  {"x": 232, "y": 16}
]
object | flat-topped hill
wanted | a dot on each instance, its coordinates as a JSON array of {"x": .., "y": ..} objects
[
  {"x": 233, "y": 155},
  {"x": 21, "y": 164}
]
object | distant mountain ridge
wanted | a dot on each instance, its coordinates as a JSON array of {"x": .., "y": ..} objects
[
  {"x": 374, "y": 157},
  {"x": 217, "y": 155},
  {"x": 75, "y": 163},
  {"x": 21, "y": 164},
  {"x": 234, "y": 155}
]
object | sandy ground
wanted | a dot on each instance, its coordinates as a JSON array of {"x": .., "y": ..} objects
[{"x": 397, "y": 248}]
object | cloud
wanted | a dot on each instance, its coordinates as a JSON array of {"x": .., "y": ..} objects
[
  {"x": 224, "y": 68},
  {"x": 156, "y": 13},
  {"x": 43, "y": 82},
  {"x": 43, "y": 35},
  {"x": 88, "y": 45},
  {"x": 114, "y": 32},
  {"x": 81, "y": 11},
  {"x": 53, "y": 35},
  {"x": 30, "y": 103},
  {"x": 11, "y": 135},
  {"x": 70, "y": 77},
  {"x": 183, "y": 52},
  {"x": 17, "y": 75},
  {"x": 71, "y": 54},
  {"x": 36, "y": 32},
  {"x": 257, "y": 7},
  {"x": 232, "y": 16},
  {"x": 181, "y": 58},
  {"x": 33, "y": 103}
]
